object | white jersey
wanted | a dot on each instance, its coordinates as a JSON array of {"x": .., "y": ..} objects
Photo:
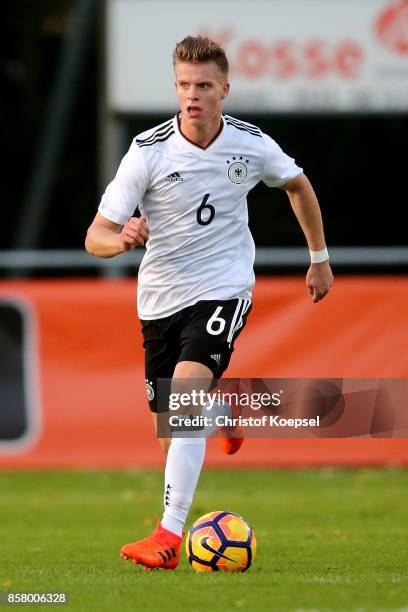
[{"x": 200, "y": 246}]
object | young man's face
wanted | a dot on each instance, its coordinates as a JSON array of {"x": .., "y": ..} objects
[{"x": 201, "y": 89}]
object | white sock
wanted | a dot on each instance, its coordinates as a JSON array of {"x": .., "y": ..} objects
[
  {"x": 213, "y": 411},
  {"x": 183, "y": 466}
]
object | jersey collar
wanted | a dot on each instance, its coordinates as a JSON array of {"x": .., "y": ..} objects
[{"x": 189, "y": 145}]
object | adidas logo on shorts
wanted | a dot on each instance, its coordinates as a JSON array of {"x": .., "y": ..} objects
[
  {"x": 217, "y": 358},
  {"x": 174, "y": 177}
]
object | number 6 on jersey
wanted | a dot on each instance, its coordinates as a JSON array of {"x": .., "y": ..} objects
[{"x": 202, "y": 207}]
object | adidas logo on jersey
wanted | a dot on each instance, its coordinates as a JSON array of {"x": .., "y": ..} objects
[
  {"x": 174, "y": 177},
  {"x": 217, "y": 358}
]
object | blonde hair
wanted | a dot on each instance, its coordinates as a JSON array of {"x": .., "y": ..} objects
[{"x": 200, "y": 49}]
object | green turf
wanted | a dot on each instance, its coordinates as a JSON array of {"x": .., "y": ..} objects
[{"x": 327, "y": 540}]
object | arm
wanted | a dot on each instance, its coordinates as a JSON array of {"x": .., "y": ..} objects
[
  {"x": 304, "y": 203},
  {"x": 107, "y": 239},
  {"x": 114, "y": 229}
]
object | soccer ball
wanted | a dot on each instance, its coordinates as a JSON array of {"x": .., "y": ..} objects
[{"x": 221, "y": 541}]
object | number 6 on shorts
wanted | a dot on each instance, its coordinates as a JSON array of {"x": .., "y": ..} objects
[{"x": 219, "y": 322}]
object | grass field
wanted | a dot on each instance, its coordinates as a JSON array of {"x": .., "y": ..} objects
[{"x": 327, "y": 540}]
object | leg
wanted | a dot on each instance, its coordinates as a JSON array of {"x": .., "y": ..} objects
[
  {"x": 184, "y": 370},
  {"x": 199, "y": 355},
  {"x": 183, "y": 466},
  {"x": 185, "y": 456},
  {"x": 164, "y": 442},
  {"x": 210, "y": 335}
]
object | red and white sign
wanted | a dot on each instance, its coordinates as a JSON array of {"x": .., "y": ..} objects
[
  {"x": 285, "y": 55},
  {"x": 392, "y": 27}
]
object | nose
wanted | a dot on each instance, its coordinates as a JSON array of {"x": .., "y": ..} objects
[{"x": 192, "y": 94}]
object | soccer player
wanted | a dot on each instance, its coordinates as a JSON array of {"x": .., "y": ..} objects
[{"x": 190, "y": 177}]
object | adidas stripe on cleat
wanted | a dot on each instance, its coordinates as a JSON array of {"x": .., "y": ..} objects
[{"x": 161, "y": 549}]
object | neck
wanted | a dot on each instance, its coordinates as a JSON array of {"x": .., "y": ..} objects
[{"x": 201, "y": 135}]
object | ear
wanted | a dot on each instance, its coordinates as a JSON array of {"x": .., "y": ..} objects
[{"x": 225, "y": 91}]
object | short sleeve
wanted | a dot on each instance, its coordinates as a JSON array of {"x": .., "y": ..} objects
[
  {"x": 279, "y": 167},
  {"x": 124, "y": 194}
]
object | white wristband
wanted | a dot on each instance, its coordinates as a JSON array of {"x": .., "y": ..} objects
[{"x": 319, "y": 256}]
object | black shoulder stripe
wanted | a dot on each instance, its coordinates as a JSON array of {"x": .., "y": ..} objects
[
  {"x": 244, "y": 129},
  {"x": 254, "y": 130},
  {"x": 249, "y": 126},
  {"x": 152, "y": 140},
  {"x": 158, "y": 139},
  {"x": 160, "y": 128},
  {"x": 158, "y": 132}
]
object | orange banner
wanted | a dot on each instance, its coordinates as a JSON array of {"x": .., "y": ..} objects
[{"x": 72, "y": 369}]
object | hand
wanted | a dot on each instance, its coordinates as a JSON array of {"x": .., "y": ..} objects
[
  {"x": 134, "y": 233},
  {"x": 319, "y": 279}
]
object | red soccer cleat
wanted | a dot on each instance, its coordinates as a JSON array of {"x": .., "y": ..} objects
[
  {"x": 233, "y": 437},
  {"x": 160, "y": 549},
  {"x": 229, "y": 445}
]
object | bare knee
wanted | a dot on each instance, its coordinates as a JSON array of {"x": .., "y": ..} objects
[
  {"x": 192, "y": 369},
  {"x": 165, "y": 445}
]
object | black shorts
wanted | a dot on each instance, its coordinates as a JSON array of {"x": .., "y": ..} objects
[{"x": 204, "y": 332}]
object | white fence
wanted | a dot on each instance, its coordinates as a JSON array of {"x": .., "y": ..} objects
[{"x": 17, "y": 262}]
